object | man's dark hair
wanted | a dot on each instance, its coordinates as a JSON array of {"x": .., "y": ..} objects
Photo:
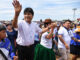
[
  {"x": 67, "y": 21},
  {"x": 28, "y": 10}
]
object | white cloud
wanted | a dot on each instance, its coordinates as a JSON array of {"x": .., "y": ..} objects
[
  {"x": 6, "y": 11},
  {"x": 65, "y": 1},
  {"x": 55, "y": 9}
]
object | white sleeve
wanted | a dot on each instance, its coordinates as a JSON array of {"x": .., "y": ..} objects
[
  {"x": 60, "y": 31},
  {"x": 19, "y": 25},
  {"x": 16, "y": 29},
  {"x": 44, "y": 35},
  {"x": 38, "y": 29},
  {"x": 71, "y": 34}
]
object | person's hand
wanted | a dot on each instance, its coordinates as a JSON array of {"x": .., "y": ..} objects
[
  {"x": 67, "y": 47},
  {"x": 17, "y": 6},
  {"x": 15, "y": 58},
  {"x": 78, "y": 40},
  {"x": 53, "y": 25}
]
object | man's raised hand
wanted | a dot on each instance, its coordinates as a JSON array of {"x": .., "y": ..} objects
[{"x": 17, "y": 6}]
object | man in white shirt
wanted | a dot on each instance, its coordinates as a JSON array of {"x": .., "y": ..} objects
[
  {"x": 26, "y": 31},
  {"x": 65, "y": 35}
]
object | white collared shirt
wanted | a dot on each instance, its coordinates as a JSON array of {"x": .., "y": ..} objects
[
  {"x": 66, "y": 35},
  {"x": 26, "y": 32}
]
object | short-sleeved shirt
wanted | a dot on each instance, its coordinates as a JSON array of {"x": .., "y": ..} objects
[
  {"x": 46, "y": 42},
  {"x": 66, "y": 35},
  {"x": 26, "y": 32}
]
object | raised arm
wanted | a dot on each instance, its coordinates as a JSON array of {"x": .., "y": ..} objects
[
  {"x": 17, "y": 8},
  {"x": 75, "y": 39},
  {"x": 50, "y": 35},
  {"x": 52, "y": 26},
  {"x": 49, "y": 27}
]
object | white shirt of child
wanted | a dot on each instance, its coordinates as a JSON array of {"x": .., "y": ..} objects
[
  {"x": 66, "y": 35},
  {"x": 46, "y": 42},
  {"x": 26, "y": 32}
]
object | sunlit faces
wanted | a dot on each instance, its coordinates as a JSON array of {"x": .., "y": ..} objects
[
  {"x": 28, "y": 16},
  {"x": 67, "y": 24},
  {"x": 2, "y": 34}
]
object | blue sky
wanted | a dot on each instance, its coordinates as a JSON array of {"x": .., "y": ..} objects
[{"x": 54, "y": 9}]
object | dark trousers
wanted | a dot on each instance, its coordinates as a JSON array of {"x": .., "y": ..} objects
[
  {"x": 35, "y": 43},
  {"x": 25, "y": 52}
]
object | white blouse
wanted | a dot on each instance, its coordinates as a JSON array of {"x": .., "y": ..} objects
[{"x": 46, "y": 42}]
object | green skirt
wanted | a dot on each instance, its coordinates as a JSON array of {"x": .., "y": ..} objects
[{"x": 43, "y": 53}]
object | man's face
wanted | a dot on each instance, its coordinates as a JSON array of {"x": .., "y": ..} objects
[
  {"x": 28, "y": 17},
  {"x": 67, "y": 24},
  {"x": 2, "y": 34}
]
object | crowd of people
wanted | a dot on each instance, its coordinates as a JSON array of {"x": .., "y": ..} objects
[{"x": 26, "y": 40}]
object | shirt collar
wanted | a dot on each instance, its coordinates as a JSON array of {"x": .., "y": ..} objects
[{"x": 66, "y": 28}]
